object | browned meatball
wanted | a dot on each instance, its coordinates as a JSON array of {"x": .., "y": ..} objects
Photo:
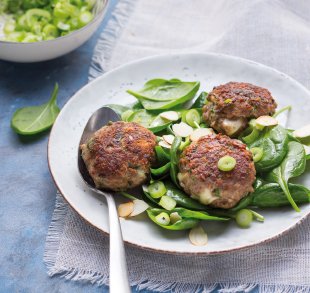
[
  {"x": 201, "y": 179},
  {"x": 231, "y": 105},
  {"x": 119, "y": 156}
]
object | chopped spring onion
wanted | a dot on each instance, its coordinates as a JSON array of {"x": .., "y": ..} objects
[
  {"x": 257, "y": 154},
  {"x": 175, "y": 217},
  {"x": 226, "y": 163},
  {"x": 163, "y": 219},
  {"x": 244, "y": 218},
  {"x": 45, "y": 20},
  {"x": 258, "y": 217},
  {"x": 252, "y": 136},
  {"x": 157, "y": 189},
  {"x": 193, "y": 118},
  {"x": 167, "y": 202},
  {"x": 266, "y": 121}
]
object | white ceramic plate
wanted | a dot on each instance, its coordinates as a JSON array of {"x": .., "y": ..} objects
[{"x": 210, "y": 70}]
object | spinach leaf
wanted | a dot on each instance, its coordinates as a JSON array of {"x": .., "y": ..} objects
[
  {"x": 182, "y": 198},
  {"x": 158, "y": 94},
  {"x": 142, "y": 117},
  {"x": 119, "y": 109},
  {"x": 188, "y": 220},
  {"x": 200, "y": 101},
  {"x": 35, "y": 119},
  {"x": 293, "y": 165},
  {"x": 274, "y": 143},
  {"x": 162, "y": 156},
  {"x": 271, "y": 195},
  {"x": 149, "y": 120},
  {"x": 175, "y": 159}
]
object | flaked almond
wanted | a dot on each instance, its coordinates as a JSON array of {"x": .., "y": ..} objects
[
  {"x": 164, "y": 144},
  {"x": 139, "y": 206},
  {"x": 170, "y": 115},
  {"x": 182, "y": 129},
  {"x": 198, "y": 236},
  {"x": 303, "y": 134},
  {"x": 168, "y": 138},
  {"x": 125, "y": 209},
  {"x": 266, "y": 121},
  {"x": 200, "y": 132}
]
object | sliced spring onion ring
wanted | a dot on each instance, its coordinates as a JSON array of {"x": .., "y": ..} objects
[
  {"x": 193, "y": 118},
  {"x": 244, "y": 218},
  {"x": 163, "y": 219},
  {"x": 226, "y": 163},
  {"x": 257, "y": 154},
  {"x": 167, "y": 202},
  {"x": 157, "y": 189}
]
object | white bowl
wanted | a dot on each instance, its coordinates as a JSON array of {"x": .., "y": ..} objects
[{"x": 46, "y": 50}]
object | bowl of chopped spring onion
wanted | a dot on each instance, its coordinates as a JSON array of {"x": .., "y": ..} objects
[{"x": 39, "y": 30}]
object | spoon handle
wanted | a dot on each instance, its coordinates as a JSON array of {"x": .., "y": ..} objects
[{"x": 118, "y": 268}]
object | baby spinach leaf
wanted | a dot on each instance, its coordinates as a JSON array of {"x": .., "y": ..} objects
[
  {"x": 160, "y": 90},
  {"x": 158, "y": 94},
  {"x": 200, "y": 101},
  {"x": 162, "y": 156},
  {"x": 274, "y": 143},
  {"x": 149, "y": 120},
  {"x": 293, "y": 165},
  {"x": 142, "y": 117},
  {"x": 188, "y": 220},
  {"x": 119, "y": 109},
  {"x": 186, "y": 213},
  {"x": 271, "y": 195},
  {"x": 35, "y": 119},
  {"x": 182, "y": 198}
]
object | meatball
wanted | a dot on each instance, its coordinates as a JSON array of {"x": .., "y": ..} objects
[
  {"x": 118, "y": 156},
  {"x": 230, "y": 106},
  {"x": 201, "y": 178}
]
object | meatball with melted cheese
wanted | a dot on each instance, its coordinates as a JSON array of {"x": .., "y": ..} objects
[
  {"x": 118, "y": 156},
  {"x": 230, "y": 106},
  {"x": 201, "y": 178}
]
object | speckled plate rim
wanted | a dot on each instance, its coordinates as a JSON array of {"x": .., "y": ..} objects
[{"x": 162, "y": 251}]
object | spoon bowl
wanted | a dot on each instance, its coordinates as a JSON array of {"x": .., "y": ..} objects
[{"x": 118, "y": 268}]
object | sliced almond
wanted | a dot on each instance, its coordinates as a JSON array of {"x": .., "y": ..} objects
[
  {"x": 139, "y": 206},
  {"x": 164, "y": 144},
  {"x": 168, "y": 138},
  {"x": 200, "y": 132},
  {"x": 307, "y": 150},
  {"x": 170, "y": 115},
  {"x": 182, "y": 129},
  {"x": 266, "y": 121},
  {"x": 198, "y": 236},
  {"x": 303, "y": 134},
  {"x": 125, "y": 209}
]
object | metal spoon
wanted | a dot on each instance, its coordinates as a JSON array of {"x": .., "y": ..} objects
[{"x": 118, "y": 268}]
